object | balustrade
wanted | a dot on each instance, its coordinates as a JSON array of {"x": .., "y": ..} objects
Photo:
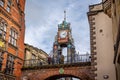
[{"x": 63, "y": 60}]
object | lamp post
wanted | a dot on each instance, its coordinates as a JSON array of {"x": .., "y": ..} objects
[{"x": 105, "y": 77}]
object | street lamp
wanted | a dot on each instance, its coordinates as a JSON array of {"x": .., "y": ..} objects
[{"x": 105, "y": 76}]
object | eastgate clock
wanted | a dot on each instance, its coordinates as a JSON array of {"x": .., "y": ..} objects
[{"x": 63, "y": 34}]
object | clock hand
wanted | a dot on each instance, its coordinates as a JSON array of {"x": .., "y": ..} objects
[{"x": 64, "y": 33}]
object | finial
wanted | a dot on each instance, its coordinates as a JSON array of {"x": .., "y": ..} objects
[{"x": 64, "y": 15}]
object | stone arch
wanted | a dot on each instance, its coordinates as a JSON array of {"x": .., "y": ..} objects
[
  {"x": 81, "y": 76},
  {"x": 48, "y": 74},
  {"x": 61, "y": 75}
]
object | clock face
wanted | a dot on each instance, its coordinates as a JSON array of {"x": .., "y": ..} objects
[{"x": 63, "y": 34}]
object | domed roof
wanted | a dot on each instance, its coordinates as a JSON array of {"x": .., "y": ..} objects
[{"x": 64, "y": 25}]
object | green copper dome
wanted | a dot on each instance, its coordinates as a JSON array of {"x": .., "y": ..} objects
[{"x": 64, "y": 25}]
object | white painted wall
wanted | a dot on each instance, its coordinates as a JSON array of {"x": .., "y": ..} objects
[{"x": 104, "y": 45}]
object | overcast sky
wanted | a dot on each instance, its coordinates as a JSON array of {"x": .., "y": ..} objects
[{"x": 43, "y": 16}]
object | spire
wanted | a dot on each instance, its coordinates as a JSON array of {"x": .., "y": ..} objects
[{"x": 65, "y": 15}]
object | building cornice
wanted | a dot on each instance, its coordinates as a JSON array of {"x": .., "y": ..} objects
[
  {"x": 14, "y": 56},
  {"x": 35, "y": 48},
  {"x": 8, "y": 15},
  {"x": 94, "y": 12}
]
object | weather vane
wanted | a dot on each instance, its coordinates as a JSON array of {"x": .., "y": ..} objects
[{"x": 64, "y": 15}]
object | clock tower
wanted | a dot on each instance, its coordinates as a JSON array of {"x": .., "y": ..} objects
[{"x": 64, "y": 39}]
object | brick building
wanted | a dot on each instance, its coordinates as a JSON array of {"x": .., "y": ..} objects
[{"x": 12, "y": 29}]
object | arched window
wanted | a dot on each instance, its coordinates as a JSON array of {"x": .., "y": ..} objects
[
  {"x": 13, "y": 36},
  {"x": 9, "y": 3},
  {"x": 2, "y": 3},
  {"x": 3, "y": 26}
]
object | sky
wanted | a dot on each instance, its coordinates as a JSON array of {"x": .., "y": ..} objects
[{"x": 43, "y": 16}]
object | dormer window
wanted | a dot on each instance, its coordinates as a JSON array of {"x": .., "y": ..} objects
[
  {"x": 9, "y": 5},
  {"x": 2, "y": 3}
]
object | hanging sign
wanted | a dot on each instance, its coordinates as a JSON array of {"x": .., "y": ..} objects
[{"x": 2, "y": 44}]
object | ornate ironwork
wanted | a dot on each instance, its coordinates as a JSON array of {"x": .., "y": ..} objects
[{"x": 53, "y": 61}]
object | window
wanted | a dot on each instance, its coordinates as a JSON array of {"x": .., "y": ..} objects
[
  {"x": 9, "y": 5},
  {"x": 1, "y": 59},
  {"x": 13, "y": 37},
  {"x": 2, "y": 3},
  {"x": 17, "y": 1},
  {"x": 33, "y": 56},
  {"x": 3, "y": 26},
  {"x": 10, "y": 65},
  {"x": 33, "y": 59}
]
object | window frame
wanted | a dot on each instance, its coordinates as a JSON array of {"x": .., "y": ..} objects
[
  {"x": 13, "y": 37},
  {"x": 33, "y": 56},
  {"x": 9, "y": 3},
  {"x": 10, "y": 64},
  {"x": 17, "y": 1},
  {"x": 1, "y": 59},
  {"x": 3, "y": 28},
  {"x": 2, "y": 2}
]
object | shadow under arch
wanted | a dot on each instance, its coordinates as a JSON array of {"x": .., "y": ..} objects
[{"x": 54, "y": 77}]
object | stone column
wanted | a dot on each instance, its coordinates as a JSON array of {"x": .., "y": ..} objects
[
  {"x": 69, "y": 53},
  {"x": 55, "y": 54}
]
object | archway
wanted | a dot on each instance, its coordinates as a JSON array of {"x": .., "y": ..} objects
[
  {"x": 65, "y": 76},
  {"x": 82, "y": 73}
]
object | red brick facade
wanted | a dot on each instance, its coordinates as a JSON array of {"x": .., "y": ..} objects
[{"x": 12, "y": 37}]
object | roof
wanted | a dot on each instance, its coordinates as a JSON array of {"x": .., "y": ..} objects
[{"x": 35, "y": 48}]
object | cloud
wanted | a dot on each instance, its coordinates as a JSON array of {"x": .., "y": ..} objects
[{"x": 43, "y": 16}]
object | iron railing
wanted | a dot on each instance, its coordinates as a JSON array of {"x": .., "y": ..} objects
[{"x": 54, "y": 61}]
